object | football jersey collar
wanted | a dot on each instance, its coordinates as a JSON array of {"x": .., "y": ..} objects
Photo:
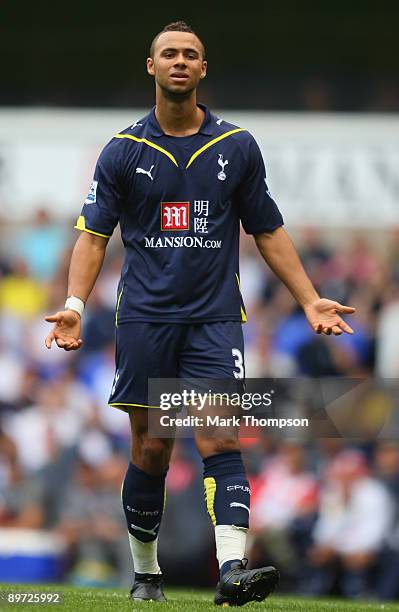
[{"x": 206, "y": 126}]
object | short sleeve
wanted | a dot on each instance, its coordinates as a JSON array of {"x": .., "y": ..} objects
[
  {"x": 257, "y": 209},
  {"x": 103, "y": 204}
]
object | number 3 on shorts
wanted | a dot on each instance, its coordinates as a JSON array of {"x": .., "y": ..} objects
[{"x": 238, "y": 362}]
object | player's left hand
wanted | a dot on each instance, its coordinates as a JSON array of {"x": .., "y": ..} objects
[{"x": 323, "y": 316}]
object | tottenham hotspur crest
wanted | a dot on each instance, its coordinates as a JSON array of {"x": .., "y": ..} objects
[{"x": 222, "y": 174}]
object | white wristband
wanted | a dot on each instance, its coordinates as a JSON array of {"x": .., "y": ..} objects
[{"x": 76, "y": 304}]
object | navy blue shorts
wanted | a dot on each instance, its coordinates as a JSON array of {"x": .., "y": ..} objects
[{"x": 173, "y": 350}]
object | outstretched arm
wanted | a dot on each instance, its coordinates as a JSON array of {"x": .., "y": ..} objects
[
  {"x": 280, "y": 254},
  {"x": 86, "y": 262}
]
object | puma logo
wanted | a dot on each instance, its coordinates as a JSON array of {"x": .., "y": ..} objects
[
  {"x": 147, "y": 172},
  {"x": 150, "y": 531},
  {"x": 238, "y": 505}
]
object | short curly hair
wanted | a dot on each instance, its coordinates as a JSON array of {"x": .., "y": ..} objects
[{"x": 176, "y": 26}]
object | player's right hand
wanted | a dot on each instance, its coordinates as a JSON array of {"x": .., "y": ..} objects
[{"x": 66, "y": 331}]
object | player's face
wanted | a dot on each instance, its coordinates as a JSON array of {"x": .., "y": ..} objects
[{"x": 178, "y": 63}]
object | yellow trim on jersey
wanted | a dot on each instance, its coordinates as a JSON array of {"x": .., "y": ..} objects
[
  {"x": 81, "y": 225},
  {"x": 243, "y": 313},
  {"x": 134, "y": 405},
  {"x": 117, "y": 305},
  {"x": 150, "y": 144},
  {"x": 171, "y": 157},
  {"x": 211, "y": 143},
  {"x": 210, "y": 492}
]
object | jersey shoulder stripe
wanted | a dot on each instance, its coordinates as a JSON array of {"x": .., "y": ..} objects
[
  {"x": 150, "y": 144},
  {"x": 211, "y": 143},
  {"x": 169, "y": 154}
]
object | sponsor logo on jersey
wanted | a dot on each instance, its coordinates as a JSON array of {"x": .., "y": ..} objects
[
  {"x": 175, "y": 216},
  {"x": 92, "y": 195},
  {"x": 189, "y": 242}
]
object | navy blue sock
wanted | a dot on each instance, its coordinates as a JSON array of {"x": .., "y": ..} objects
[
  {"x": 143, "y": 500},
  {"x": 227, "y": 491}
]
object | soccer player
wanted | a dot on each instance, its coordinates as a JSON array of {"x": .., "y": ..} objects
[{"x": 179, "y": 181}]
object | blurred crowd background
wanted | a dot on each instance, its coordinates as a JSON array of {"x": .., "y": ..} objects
[
  {"x": 325, "y": 510},
  {"x": 316, "y": 56}
]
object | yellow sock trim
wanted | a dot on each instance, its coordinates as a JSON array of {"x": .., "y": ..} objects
[{"x": 210, "y": 492}]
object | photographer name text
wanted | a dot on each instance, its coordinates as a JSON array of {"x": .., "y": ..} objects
[{"x": 247, "y": 420}]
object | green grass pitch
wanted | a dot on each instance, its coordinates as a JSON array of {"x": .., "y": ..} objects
[{"x": 77, "y": 599}]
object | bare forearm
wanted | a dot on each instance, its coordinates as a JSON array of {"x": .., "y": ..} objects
[
  {"x": 86, "y": 262},
  {"x": 280, "y": 254}
]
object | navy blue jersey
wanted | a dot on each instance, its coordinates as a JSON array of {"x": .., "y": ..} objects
[{"x": 179, "y": 202}]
